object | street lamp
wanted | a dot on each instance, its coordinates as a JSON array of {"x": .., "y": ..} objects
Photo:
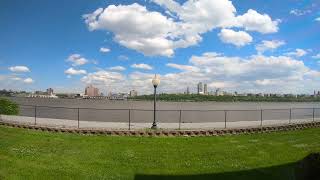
[{"x": 155, "y": 83}]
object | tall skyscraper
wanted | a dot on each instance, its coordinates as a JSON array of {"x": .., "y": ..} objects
[
  {"x": 188, "y": 90},
  {"x": 91, "y": 91},
  {"x": 200, "y": 88},
  {"x": 205, "y": 89}
]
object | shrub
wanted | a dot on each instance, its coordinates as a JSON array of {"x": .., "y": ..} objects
[{"x": 8, "y": 108}]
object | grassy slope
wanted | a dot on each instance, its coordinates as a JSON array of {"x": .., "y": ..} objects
[{"x": 63, "y": 156}]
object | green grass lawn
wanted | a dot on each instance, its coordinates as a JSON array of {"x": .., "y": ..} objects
[{"x": 43, "y": 155}]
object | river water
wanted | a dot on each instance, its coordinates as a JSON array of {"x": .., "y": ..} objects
[{"x": 170, "y": 112}]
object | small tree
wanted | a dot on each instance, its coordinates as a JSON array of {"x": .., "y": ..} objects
[{"x": 8, "y": 108}]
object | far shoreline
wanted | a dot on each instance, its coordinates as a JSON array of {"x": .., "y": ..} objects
[{"x": 314, "y": 100}]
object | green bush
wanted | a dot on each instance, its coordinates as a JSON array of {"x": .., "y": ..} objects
[{"x": 8, "y": 108}]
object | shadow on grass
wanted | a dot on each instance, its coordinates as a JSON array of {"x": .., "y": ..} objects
[
  {"x": 306, "y": 169},
  {"x": 283, "y": 172}
]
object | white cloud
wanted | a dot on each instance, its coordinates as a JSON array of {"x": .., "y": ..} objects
[
  {"x": 222, "y": 85},
  {"x": 298, "y": 12},
  {"x": 269, "y": 45},
  {"x": 153, "y": 33},
  {"x": 77, "y": 60},
  {"x": 28, "y": 81},
  {"x": 253, "y": 21},
  {"x": 317, "y": 56},
  {"x": 16, "y": 78},
  {"x": 103, "y": 77},
  {"x": 104, "y": 50},
  {"x": 135, "y": 28},
  {"x": 117, "y": 68},
  {"x": 318, "y": 19},
  {"x": 183, "y": 67},
  {"x": 19, "y": 69},
  {"x": 239, "y": 38},
  {"x": 267, "y": 82},
  {"x": 123, "y": 58},
  {"x": 297, "y": 53},
  {"x": 72, "y": 71},
  {"x": 142, "y": 66},
  {"x": 257, "y": 73}
]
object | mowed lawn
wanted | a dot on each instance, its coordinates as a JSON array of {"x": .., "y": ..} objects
[{"x": 29, "y": 154}]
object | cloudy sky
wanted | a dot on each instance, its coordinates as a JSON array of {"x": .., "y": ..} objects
[{"x": 245, "y": 46}]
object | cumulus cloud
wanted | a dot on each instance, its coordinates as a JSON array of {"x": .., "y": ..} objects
[
  {"x": 28, "y": 81},
  {"x": 152, "y": 33},
  {"x": 237, "y": 38},
  {"x": 103, "y": 77},
  {"x": 72, "y": 71},
  {"x": 142, "y": 66},
  {"x": 77, "y": 60},
  {"x": 253, "y": 21},
  {"x": 269, "y": 45},
  {"x": 134, "y": 27},
  {"x": 104, "y": 50},
  {"x": 297, "y": 53},
  {"x": 19, "y": 69},
  {"x": 117, "y": 68},
  {"x": 318, "y": 19},
  {"x": 317, "y": 56},
  {"x": 256, "y": 73}
]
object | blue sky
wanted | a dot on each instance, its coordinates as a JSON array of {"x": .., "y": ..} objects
[{"x": 245, "y": 46}]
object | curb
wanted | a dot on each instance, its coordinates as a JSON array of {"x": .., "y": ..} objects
[{"x": 173, "y": 133}]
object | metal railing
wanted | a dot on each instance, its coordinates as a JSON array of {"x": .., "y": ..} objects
[{"x": 173, "y": 119}]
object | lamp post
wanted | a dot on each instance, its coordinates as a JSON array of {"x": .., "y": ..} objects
[{"x": 155, "y": 83}]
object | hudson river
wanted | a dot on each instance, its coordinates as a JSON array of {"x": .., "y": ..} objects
[{"x": 141, "y": 111}]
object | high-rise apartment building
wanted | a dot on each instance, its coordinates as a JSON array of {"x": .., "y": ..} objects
[
  {"x": 133, "y": 93},
  {"x": 91, "y": 91},
  {"x": 188, "y": 90},
  {"x": 205, "y": 89},
  {"x": 200, "y": 88}
]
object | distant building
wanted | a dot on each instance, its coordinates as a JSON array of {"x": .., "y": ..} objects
[
  {"x": 188, "y": 90},
  {"x": 41, "y": 94},
  {"x": 49, "y": 91},
  {"x": 118, "y": 96},
  {"x": 91, "y": 91},
  {"x": 219, "y": 92},
  {"x": 205, "y": 89},
  {"x": 200, "y": 88},
  {"x": 133, "y": 93}
]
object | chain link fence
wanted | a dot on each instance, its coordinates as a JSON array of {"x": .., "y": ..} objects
[{"x": 166, "y": 119}]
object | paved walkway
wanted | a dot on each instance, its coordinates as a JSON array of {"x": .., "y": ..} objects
[{"x": 49, "y": 122}]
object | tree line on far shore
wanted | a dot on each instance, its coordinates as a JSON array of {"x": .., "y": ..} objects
[{"x": 226, "y": 98}]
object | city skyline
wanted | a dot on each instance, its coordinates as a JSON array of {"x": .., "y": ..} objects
[{"x": 244, "y": 47}]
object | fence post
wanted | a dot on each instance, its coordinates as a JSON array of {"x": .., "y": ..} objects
[
  {"x": 261, "y": 117},
  {"x": 129, "y": 119},
  {"x": 180, "y": 119},
  {"x": 35, "y": 115},
  {"x": 313, "y": 114},
  {"x": 225, "y": 119},
  {"x": 290, "y": 116},
  {"x": 78, "y": 118}
]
